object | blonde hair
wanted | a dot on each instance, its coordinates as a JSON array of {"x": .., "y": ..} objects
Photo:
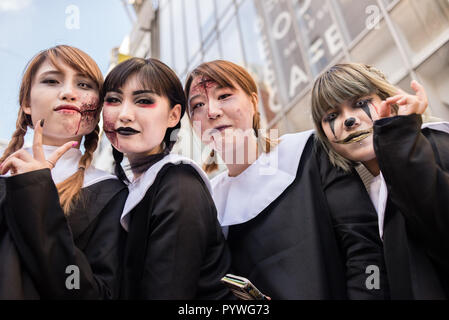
[
  {"x": 78, "y": 60},
  {"x": 228, "y": 74},
  {"x": 341, "y": 83}
]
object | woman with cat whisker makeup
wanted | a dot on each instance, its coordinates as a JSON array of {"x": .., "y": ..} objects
[{"x": 365, "y": 123}]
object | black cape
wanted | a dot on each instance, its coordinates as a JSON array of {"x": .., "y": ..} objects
[
  {"x": 289, "y": 250},
  {"x": 175, "y": 247},
  {"x": 38, "y": 242},
  {"x": 414, "y": 256}
]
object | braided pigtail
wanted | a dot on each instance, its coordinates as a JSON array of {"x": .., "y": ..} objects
[{"x": 69, "y": 189}]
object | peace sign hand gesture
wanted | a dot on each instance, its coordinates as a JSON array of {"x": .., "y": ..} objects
[{"x": 21, "y": 161}]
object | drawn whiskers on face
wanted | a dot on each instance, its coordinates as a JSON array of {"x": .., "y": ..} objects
[{"x": 355, "y": 136}]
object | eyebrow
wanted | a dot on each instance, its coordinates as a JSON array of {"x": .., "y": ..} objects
[
  {"x": 135, "y": 93},
  {"x": 58, "y": 72},
  {"x": 50, "y": 72},
  {"x": 218, "y": 87}
]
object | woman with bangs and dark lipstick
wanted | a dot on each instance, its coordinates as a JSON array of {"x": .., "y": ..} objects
[
  {"x": 59, "y": 216},
  {"x": 364, "y": 122},
  {"x": 175, "y": 248}
]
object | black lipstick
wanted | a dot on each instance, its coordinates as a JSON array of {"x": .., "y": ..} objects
[{"x": 126, "y": 131}]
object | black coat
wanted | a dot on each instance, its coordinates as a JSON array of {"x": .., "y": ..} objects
[
  {"x": 415, "y": 164},
  {"x": 289, "y": 250},
  {"x": 175, "y": 247},
  {"x": 414, "y": 256},
  {"x": 38, "y": 242}
]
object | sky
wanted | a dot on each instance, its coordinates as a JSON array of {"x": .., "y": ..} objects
[{"x": 29, "y": 26}]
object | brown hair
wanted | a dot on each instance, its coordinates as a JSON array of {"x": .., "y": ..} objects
[
  {"x": 156, "y": 76},
  {"x": 228, "y": 74},
  {"x": 78, "y": 60},
  {"x": 341, "y": 83}
]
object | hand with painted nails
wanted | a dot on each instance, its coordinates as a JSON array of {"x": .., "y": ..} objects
[
  {"x": 407, "y": 103},
  {"x": 21, "y": 161}
]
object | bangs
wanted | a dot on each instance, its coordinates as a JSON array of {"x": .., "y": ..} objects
[
  {"x": 78, "y": 61},
  {"x": 217, "y": 75},
  {"x": 225, "y": 73},
  {"x": 337, "y": 86},
  {"x": 147, "y": 76}
]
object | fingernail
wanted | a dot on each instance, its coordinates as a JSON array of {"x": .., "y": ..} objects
[
  {"x": 74, "y": 144},
  {"x": 42, "y": 123}
]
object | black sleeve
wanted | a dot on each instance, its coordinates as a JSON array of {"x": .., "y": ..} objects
[
  {"x": 2, "y": 197},
  {"x": 415, "y": 166},
  {"x": 185, "y": 250},
  {"x": 355, "y": 223},
  {"x": 45, "y": 241}
]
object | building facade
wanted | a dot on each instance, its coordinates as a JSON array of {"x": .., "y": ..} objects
[{"x": 285, "y": 44}]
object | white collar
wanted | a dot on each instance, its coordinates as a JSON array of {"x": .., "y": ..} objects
[
  {"x": 440, "y": 126},
  {"x": 68, "y": 165},
  {"x": 379, "y": 194},
  {"x": 240, "y": 199},
  {"x": 379, "y": 197},
  {"x": 139, "y": 187}
]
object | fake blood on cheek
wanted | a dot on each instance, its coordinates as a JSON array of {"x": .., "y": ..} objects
[
  {"x": 89, "y": 112},
  {"x": 109, "y": 130}
]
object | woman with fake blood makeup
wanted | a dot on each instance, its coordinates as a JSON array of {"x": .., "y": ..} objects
[
  {"x": 59, "y": 216},
  {"x": 363, "y": 119},
  {"x": 175, "y": 248},
  {"x": 270, "y": 201}
]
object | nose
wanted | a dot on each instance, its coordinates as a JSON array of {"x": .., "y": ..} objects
[
  {"x": 350, "y": 122},
  {"x": 126, "y": 113},
  {"x": 68, "y": 92},
  {"x": 214, "y": 110}
]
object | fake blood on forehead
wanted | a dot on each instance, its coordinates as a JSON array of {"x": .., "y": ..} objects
[{"x": 204, "y": 86}]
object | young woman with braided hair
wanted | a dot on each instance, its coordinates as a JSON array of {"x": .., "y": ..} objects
[{"x": 59, "y": 219}]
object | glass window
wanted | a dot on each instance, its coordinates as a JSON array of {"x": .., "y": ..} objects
[
  {"x": 207, "y": 17},
  {"x": 222, "y": 5},
  {"x": 162, "y": 3},
  {"x": 390, "y": 3},
  {"x": 379, "y": 50},
  {"x": 192, "y": 27},
  {"x": 212, "y": 52},
  {"x": 420, "y": 22},
  {"x": 231, "y": 44},
  {"x": 434, "y": 75},
  {"x": 404, "y": 84},
  {"x": 194, "y": 62},
  {"x": 165, "y": 35},
  {"x": 285, "y": 47},
  {"x": 359, "y": 15},
  {"x": 319, "y": 33},
  {"x": 281, "y": 126},
  {"x": 223, "y": 19},
  {"x": 259, "y": 59},
  {"x": 300, "y": 116},
  {"x": 179, "y": 38}
]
